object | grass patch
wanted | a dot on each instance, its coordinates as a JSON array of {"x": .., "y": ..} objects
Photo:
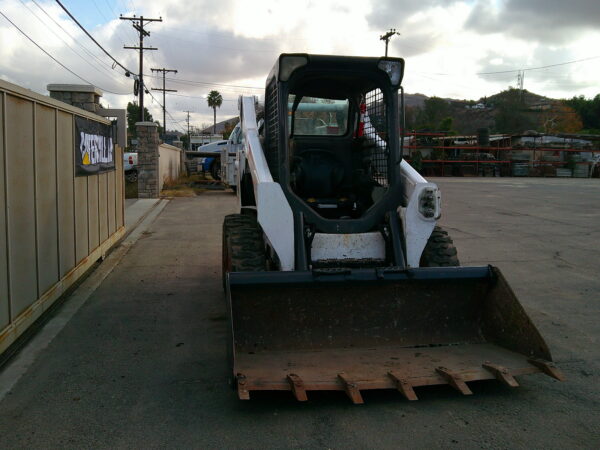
[
  {"x": 179, "y": 192},
  {"x": 182, "y": 186}
]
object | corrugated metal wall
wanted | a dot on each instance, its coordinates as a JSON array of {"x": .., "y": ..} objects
[{"x": 53, "y": 225}]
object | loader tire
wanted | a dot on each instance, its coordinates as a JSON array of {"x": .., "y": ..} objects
[
  {"x": 243, "y": 245},
  {"x": 439, "y": 250}
]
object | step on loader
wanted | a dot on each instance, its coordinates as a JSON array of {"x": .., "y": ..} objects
[{"x": 336, "y": 274}]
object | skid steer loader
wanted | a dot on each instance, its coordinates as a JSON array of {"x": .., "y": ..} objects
[{"x": 336, "y": 275}]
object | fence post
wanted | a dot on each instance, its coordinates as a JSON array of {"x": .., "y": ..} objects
[{"x": 148, "y": 186}]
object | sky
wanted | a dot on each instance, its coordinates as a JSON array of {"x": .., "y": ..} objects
[{"x": 455, "y": 49}]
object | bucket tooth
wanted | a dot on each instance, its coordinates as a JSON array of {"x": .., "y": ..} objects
[
  {"x": 351, "y": 389},
  {"x": 454, "y": 380},
  {"x": 501, "y": 373},
  {"x": 243, "y": 392},
  {"x": 547, "y": 367},
  {"x": 297, "y": 386},
  {"x": 403, "y": 385}
]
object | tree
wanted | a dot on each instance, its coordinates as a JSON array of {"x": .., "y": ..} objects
[
  {"x": 560, "y": 118},
  {"x": 589, "y": 111},
  {"x": 512, "y": 115},
  {"x": 435, "y": 109},
  {"x": 229, "y": 126},
  {"x": 133, "y": 114},
  {"x": 214, "y": 100}
]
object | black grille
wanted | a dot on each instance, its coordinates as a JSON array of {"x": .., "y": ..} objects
[
  {"x": 272, "y": 129},
  {"x": 376, "y": 131}
]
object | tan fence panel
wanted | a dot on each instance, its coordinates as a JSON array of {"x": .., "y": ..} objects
[
  {"x": 111, "y": 203},
  {"x": 81, "y": 219},
  {"x": 53, "y": 225},
  {"x": 103, "y": 205},
  {"x": 46, "y": 204},
  {"x": 169, "y": 163},
  {"x": 119, "y": 190},
  {"x": 4, "y": 307},
  {"x": 93, "y": 212},
  {"x": 66, "y": 177},
  {"x": 20, "y": 204}
]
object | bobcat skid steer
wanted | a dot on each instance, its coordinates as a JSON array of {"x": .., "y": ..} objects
[{"x": 336, "y": 275}]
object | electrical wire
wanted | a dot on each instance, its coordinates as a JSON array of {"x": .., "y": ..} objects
[
  {"x": 92, "y": 38},
  {"x": 161, "y": 106},
  {"x": 108, "y": 20},
  {"x": 56, "y": 60},
  {"x": 204, "y": 83},
  {"x": 110, "y": 74},
  {"x": 541, "y": 67},
  {"x": 77, "y": 41}
]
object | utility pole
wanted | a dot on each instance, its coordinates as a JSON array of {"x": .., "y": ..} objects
[
  {"x": 188, "y": 129},
  {"x": 387, "y": 36},
  {"x": 164, "y": 103},
  {"x": 138, "y": 24},
  {"x": 520, "y": 83}
]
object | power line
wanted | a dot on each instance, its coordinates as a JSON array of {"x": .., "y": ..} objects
[
  {"x": 54, "y": 59},
  {"x": 540, "y": 67},
  {"x": 182, "y": 81},
  {"x": 211, "y": 45},
  {"x": 127, "y": 71},
  {"x": 71, "y": 36},
  {"x": 199, "y": 96},
  {"x": 167, "y": 111},
  {"x": 110, "y": 74},
  {"x": 108, "y": 20}
]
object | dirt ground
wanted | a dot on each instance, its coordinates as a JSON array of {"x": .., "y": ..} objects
[{"x": 142, "y": 363}]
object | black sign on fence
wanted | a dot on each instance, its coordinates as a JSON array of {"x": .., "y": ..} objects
[{"x": 94, "y": 149}]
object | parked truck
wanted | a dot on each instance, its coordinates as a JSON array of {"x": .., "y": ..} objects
[{"x": 223, "y": 166}]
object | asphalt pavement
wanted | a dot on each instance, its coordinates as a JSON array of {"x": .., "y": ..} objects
[{"x": 141, "y": 364}]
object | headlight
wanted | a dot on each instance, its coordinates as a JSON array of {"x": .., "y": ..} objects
[
  {"x": 429, "y": 203},
  {"x": 290, "y": 63},
  {"x": 393, "y": 69}
]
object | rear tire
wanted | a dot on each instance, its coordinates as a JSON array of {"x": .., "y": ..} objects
[{"x": 439, "y": 251}]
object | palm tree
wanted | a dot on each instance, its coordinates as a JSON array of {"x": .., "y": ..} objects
[{"x": 214, "y": 100}]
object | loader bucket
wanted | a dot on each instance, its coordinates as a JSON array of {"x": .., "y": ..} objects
[{"x": 379, "y": 329}]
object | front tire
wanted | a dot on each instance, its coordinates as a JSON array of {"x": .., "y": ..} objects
[
  {"x": 243, "y": 251},
  {"x": 215, "y": 170},
  {"x": 243, "y": 245},
  {"x": 440, "y": 250}
]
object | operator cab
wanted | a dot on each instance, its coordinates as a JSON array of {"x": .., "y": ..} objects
[
  {"x": 334, "y": 168},
  {"x": 331, "y": 137}
]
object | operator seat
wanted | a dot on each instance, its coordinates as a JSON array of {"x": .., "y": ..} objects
[{"x": 317, "y": 173}]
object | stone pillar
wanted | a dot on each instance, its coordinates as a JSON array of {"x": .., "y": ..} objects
[
  {"x": 83, "y": 96},
  {"x": 147, "y": 133}
]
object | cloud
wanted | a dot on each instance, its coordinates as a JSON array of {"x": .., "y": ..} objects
[
  {"x": 549, "y": 21},
  {"x": 231, "y": 45},
  {"x": 394, "y": 14}
]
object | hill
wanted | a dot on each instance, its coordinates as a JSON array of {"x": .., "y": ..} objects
[{"x": 509, "y": 111}]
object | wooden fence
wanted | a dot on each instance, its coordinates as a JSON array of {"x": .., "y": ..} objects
[{"x": 54, "y": 225}]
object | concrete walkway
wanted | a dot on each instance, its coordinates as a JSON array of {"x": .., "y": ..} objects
[
  {"x": 141, "y": 364},
  {"x": 136, "y": 209}
]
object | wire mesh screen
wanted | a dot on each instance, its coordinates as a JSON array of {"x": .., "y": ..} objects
[
  {"x": 272, "y": 129},
  {"x": 376, "y": 131}
]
